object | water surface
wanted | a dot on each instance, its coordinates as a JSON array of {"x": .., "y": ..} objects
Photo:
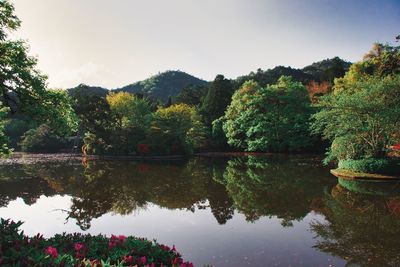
[{"x": 226, "y": 211}]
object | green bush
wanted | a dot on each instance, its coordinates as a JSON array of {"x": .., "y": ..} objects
[
  {"x": 42, "y": 139},
  {"x": 372, "y": 165},
  {"x": 17, "y": 249}
]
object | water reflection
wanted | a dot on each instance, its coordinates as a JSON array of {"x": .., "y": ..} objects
[{"x": 363, "y": 229}]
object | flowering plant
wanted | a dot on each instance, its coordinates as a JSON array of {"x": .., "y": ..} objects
[{"x": 17, "y": 249}]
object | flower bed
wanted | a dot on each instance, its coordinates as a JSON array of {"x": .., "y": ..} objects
[{"x": 17, "y": 249}]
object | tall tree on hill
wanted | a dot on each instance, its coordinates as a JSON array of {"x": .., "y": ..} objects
[{"x": 217, "y": 99}]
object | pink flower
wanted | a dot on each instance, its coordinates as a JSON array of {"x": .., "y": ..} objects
[
  {"x": 142, "y": 260},
  {"x": 122, "y": 238},
  {"x": 51, "y": 251},
  {"x": 79, "y": 246},
  {"x": 173, "y": 248},
  {"x": 128, "y": 259}
]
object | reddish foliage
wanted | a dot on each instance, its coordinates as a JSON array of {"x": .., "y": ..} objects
[{"x": 143, "y": 149}]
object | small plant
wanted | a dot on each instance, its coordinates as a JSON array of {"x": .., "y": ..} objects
[{"x": 17, "y": 249}]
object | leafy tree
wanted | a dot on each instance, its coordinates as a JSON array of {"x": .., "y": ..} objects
[
  {"x": 177, "y": 129},
  {"x": 217, "y": 99},
  {"x": 273, "y": 118},
  {"x": 4, "y": 150},
  {"x": 127, "y": 123},
  {"x": 21, "y": 84},
  {"x": 42, "y": 139},
  {"x": 363, "y": 121},
  {"x": 380, "y": 61}
]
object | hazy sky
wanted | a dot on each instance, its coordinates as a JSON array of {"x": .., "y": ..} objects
[{"x": 112, "y": 43}]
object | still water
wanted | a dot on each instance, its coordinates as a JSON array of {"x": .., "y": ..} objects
[{"x": 225, "y": 211}]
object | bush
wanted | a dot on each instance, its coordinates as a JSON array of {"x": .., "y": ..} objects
[
  {"x": 371, "y": 165},
  {"x": 42, "y": 139},
  {"x": 16, "y": 249}
]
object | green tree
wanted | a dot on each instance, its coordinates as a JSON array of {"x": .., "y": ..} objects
[
  {"x": 4, "y": 150},
  {"x": 21, "y": 84},
  {"x": 273, "y": 118},
  {"x": 363, "y": 121},
  {"x": 217, "y": 99},
  {"x": 177, "y": 129}
]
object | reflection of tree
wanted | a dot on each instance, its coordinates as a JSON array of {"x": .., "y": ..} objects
[
  {"x": 262, "y": 186},
  {"x": 121, "y": 187},
  {"x": 363, "y": 229},
  {"x": 15, "y": 183}
]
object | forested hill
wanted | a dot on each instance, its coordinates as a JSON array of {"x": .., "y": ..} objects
[
  {"x": 321, "y": 71},
  {"x": 163, "y": 85},
  {"x": 170, "y": 83}
]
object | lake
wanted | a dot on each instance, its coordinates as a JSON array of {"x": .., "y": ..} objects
[{"x": 254, "y": 210}]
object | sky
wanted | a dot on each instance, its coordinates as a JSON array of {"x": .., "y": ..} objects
[{"x": 112, "y": 43}]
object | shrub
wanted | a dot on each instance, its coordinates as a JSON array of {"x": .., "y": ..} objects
[
  {"x": 371, "y": 165},
  {"x": 42, "y": 139},
  {"x": 17, "y": 249}
]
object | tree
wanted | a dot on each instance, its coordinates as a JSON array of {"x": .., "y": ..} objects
[
  {"x": 217, "y": 99},
  {"x": 176, "y": 129},
  {"x": 363, "y": 121},
  {"x": 23, "y": 87},
  {"x": 4, "y": 150},
  {"x": 269, "y": 119},
  {"x": 132, "y": 120},
  {"x": 18, "y": 76}
]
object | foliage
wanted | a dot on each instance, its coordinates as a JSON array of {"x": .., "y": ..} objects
[
  {"x": 21, "y": 85},
  {"x": 371, "y": 165},
  {"x": 4, "y": 150},
  {"x": 82, "y": 250},
  {"x": 176, "y": 129},
  {"x": 380, "y": 61},
  {"x": 191, "y": 95},
  {"x": 361, "y": 123},
  {"x": 327, "y": 70},
  {"x": 218, "y": 97},
  {"x": 42, "y": 139},
  {"x": 274, "y": 118}
]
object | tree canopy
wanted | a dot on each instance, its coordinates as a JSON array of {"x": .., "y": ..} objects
[{"x": 270, "y": 119}]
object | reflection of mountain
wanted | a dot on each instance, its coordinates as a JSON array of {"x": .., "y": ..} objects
[
  {"x": 363, "y": 229},
  {"x": 273, "y": 187}
]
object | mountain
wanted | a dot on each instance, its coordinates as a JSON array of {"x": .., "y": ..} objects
[{"x": 163, "y": 85}]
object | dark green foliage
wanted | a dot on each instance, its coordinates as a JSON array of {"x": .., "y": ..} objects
[
  {"x": 271, "y": 76},
  {"x": 328, "y": 69},
  {"x": 322, "y": 71},
  {"x": 163, "y": 85},
  {"x": 17, "y": 249},
  {"x": 371, "y": 165},
  {"x": 15, "y": 129},
  {"x": 217, "y": 99},
  {"x": 83, "y": 90},
  {"x": 191, "y": 95},
  {"x": 42, "y": 139}
]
